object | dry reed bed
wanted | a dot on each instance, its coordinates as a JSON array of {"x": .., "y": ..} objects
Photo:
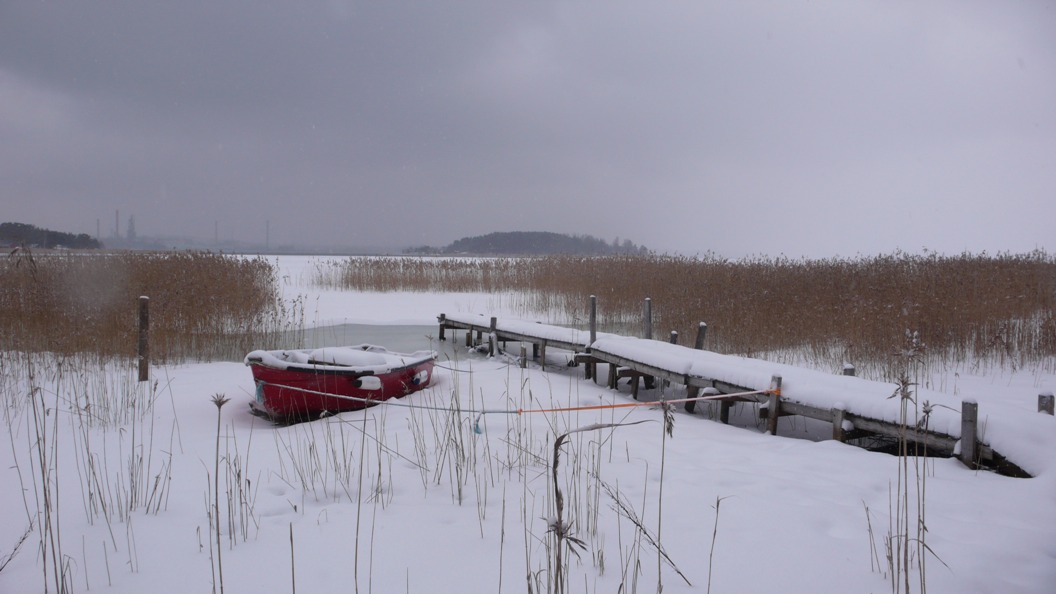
[
  {"x": 863, "y": 310},
  {"x": 202, "y": 305}
]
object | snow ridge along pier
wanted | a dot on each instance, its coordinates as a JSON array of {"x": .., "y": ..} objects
[{"x": 856, "y": 407}]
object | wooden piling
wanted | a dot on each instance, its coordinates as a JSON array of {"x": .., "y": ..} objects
[
  {"x": 692, "y": 391},
  {"x": 774, "y": 405},
  {"x": 837, "y": 425},
  {"x": 969, "y": 433},
  {"x": 647, "y": 316},
  {"x": 702, "y": 331},
  {"x": 523, "y": 359},
  {"x": 724, "y": 411},
  {"x": 443, "y": 326},
  {"x": 491, "y": 336},
  {"x": 144, "y": 338},
  {"x": 1045, "y": 403},
  {"x": 591, "y": 370}
]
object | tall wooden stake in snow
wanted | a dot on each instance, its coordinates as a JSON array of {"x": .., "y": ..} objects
[
  {"x": 969, "y": 434},
  {"x": 144, "y": 338}
]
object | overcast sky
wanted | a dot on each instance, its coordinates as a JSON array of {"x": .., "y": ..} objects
[{"x": 802, "y": 128}]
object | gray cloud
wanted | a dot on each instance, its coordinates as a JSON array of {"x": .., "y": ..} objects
[{"x": 803, "y": 129}]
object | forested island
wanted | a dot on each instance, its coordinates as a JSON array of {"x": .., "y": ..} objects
[
  {"x": 533, "y": 243},
  {"x": 24, "y": 235}
]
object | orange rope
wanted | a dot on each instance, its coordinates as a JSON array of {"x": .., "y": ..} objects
[{"x": 521, "y": 411}]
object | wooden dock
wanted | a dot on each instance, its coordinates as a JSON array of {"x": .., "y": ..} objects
[{"x": 854, "y": 406}]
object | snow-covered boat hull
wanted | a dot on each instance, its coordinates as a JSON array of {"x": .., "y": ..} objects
[{"x": 305, "y": 384}]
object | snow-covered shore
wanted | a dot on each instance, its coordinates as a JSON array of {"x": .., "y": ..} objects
[{"x": 412, "y": 498}]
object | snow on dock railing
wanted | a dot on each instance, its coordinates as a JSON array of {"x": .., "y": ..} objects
[{"x": 1005, "y": 432}]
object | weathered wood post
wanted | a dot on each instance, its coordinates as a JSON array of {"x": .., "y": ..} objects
[
  {"x": 724, "y": 409},
  {"x": 491, "y": 336},
  {"x": 702, "y": 331},
  {"x": 647, "y": 315},
  {"x": 592, "y": 365},
  {"x": 693, "y": 392},
  {"x": 542, "y": 354},
  {"x": 969, "y": 434},
  {"x": 837, "y": 424},
  {"x": 848, "y": 369},
  {"x": 443, "y": 326},
  {"x": 523, "y": 359},
  {"x": 773, "y": 407},
  {"x": 469, "y": 338},
  {"x": 647, "y": 318},
  {"x": 674, "y": 340},
  {"x": 144, "y": 338},
  {"x": 1045, "y": 403}
]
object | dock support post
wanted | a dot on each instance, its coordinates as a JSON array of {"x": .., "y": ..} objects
[
  {"x": 837, "y": 425},
  {"x": 724, "y": 411},
  {"x": 542, "y": 355},
  {"x": 969, "y": 435},
  {"x": 469, "y": 338},
  {"x": 664, "y": 384},
  {"x": 647, "y": 316},
  {"x": 523, "y": 359},
  {"x": 1045, "y": 403},
  {"x": 702, "y": 331},
  {"x": 443, "y": 326},
  {"x": 612, "y": 376},
  {"x": 591, "y": 371},
  {"x": 648, "y": 332},
  {"x": 773, "y": 407},
  {"x": 491, "y": 336},
  {"x": 144, "y": 338},
  {"x": 698, "y": 344}
]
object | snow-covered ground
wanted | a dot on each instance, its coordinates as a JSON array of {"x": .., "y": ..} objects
[{"x": 417, "y": 497}]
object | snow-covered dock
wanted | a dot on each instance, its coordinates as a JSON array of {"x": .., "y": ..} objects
[{"x": 977, "y": 429}]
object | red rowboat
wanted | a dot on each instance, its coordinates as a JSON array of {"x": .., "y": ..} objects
[{"x": 297, "y": 385}]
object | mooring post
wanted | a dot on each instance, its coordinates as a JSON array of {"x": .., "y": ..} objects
[
  {"x": 837, "y": 424},
  {"x": 969, "y": 434},
  {"x": 773, "y": 407},
  {"x": 848, "y": 369},
  {"x": 443, "y": 326},
  {"x": 692, "y": 391},
  {"x": 702, "y": 331},
  {"x": 523, "y": 359},
  {"x": 144, "y": 338},
  {"x": 647, "y": 315},
  {"x": 469, "y": 338},
  {"x": 542, "y": 354},
  {"x": 592, "y": 365},
  {"x": 648, "y": 332},
  {"x": 491, "y": 336},
  {"x": 724, "y": 411},
  {"x": 1045, "y": 403}
]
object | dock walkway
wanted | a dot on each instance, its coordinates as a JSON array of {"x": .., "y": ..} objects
[{"x": 1012, "y": 440}]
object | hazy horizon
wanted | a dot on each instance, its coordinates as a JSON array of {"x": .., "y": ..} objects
[{"x": 816, "y": 130}]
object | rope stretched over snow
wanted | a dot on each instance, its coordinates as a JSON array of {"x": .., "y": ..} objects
[{"x": 518, "y": 411}]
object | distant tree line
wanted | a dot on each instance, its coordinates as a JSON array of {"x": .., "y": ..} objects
[
  {"x": 21, "y": 234},
  {"x": 534, "y": 243}
]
